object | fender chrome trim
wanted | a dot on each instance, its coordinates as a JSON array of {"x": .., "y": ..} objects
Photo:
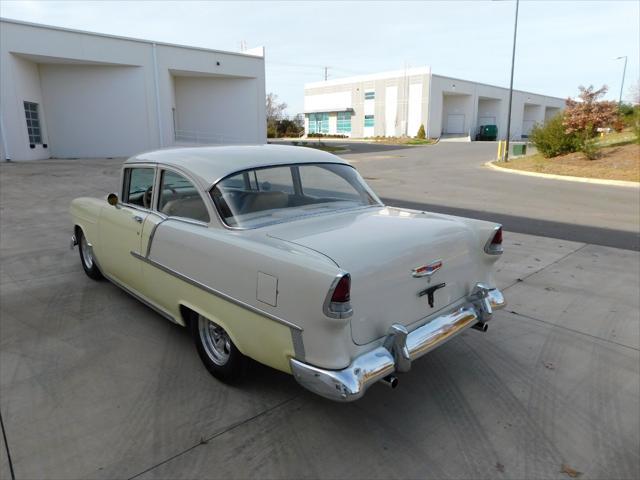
[
  {"x": 398, "y": 350},
  {"x": 215, "y": 292}
]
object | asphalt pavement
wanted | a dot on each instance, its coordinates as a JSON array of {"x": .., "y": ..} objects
[
  {"x": 451, "y": 178},
  {"x": 93, "y": 384}
]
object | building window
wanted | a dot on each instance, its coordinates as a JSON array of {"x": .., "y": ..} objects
[
  {"x": 369, "y": 120},
  {"x": 369, "y": 95},
  {"x": 344, "y": 122},
  {"x": 33, "y": 122},
  {"x": 318, "y": 123}
]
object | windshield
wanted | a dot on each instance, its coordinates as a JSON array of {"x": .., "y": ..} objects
[{"x": 257, "y": 197}]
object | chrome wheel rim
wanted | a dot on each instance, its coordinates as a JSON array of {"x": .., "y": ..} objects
[
  {"x": 87, "y": 252},
  {"x": 215, "y": 341}
]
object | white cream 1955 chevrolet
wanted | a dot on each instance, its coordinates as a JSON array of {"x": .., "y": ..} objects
[{"x": 285, "y": 255}]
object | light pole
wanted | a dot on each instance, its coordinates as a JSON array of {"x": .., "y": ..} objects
[
  {"x": 513, "y": 60},
  {"x": 624, "y": 71}
]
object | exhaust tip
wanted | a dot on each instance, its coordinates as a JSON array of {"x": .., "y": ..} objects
[
  {"x": 483, "y": 327},
  {"x": 390, "y": 381}
]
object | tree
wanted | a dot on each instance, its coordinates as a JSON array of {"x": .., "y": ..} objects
[
  {"x": 274, "y": 111},
  {"x": 634, "y": 94},
  {"x": 421, "y": 133},
  {"x": 550, "y": 138},
  {"x": 585, "y": 115}
]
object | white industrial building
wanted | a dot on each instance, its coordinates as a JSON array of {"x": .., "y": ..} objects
[
  {"x": 393, "y": 104},
  {"x": 67, "y": 93}
]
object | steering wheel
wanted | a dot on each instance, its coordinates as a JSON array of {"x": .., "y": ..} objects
[{"x": 146, "y": 198}]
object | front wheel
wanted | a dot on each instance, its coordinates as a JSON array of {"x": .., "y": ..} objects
[
  {"x": 87, "y": 259},
  {"x": 216, "y": 350}
]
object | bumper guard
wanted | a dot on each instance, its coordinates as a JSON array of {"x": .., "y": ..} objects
[{"x": 399, "y": 349}]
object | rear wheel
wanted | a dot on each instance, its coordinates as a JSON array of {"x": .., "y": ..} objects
[
  {"x": 87, "y": 259},
  {"x": 217, "y": 351}
]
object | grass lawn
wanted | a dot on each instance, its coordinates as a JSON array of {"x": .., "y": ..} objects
[
  {"x": 321, "y": 146},
  {"x": 616, "y": 138},
  {"x": 401, "y": 140},
  {"x": 620, "y": 162}
]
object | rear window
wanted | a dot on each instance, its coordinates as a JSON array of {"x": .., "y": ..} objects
[{"x": 258, "y": 197}]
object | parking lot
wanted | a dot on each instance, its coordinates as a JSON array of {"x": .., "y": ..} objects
[{"x": 93, "y": 384}]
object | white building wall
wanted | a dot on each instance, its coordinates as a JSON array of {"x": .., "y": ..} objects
[
  {"x": 418, "y": 97},
  {"x": 215, "y": 109},
  {"x": 98, "y": 104},
  {"x": 415, "y": 109},
  {"x": 446, "y": 88},
  {"x": 125, "y": 86},
  {"x": 391, "y": 111}
]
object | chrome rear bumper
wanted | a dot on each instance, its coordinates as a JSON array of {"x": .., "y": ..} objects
[{"x": 398, "y": 350}]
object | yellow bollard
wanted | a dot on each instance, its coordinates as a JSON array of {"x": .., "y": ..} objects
[{"x": 499, "y": 158}]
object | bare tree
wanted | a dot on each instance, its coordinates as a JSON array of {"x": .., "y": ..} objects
[
  {"x": 275, "y": 110},
  {"x": 634, "y": 93}
]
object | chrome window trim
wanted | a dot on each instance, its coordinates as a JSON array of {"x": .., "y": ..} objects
[
  {"x": 487, "y": 245},
  {"x": 208, "y": 201},
  {"x": 215, "y": 292},
  {"x": 278, "y": 222},
  {"x": 128, "y": 166}
]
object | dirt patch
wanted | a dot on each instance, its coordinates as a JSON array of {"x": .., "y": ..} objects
[{"x": 615, "y": 163}]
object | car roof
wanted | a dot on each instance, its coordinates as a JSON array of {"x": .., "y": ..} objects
[{"x": 208, "y": 165}]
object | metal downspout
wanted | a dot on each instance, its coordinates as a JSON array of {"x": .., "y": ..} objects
[
  {"x": 3, "y": 138},
  {"x": 157, "y": 91}
]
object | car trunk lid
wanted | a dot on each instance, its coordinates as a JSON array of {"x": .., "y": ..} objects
[{"x": 384, "y": 249}]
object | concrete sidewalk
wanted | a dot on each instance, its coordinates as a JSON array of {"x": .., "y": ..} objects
[{"x": 95, "y": 385}]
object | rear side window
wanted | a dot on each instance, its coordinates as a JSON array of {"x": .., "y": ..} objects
[
  {"x": 138, "y": 186},
  {"x": 180, "y": 198},
  {"x": 258, "y": 197}
]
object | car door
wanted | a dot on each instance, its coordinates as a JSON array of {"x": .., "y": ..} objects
[
  {"x": 180, "y": 207},
  {"x": 121, "y": 226}
]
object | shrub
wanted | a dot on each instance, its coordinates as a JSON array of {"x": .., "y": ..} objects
[
  {"x": 551, "y": 139},
  {"x": 636, "y": 124},
  {"x": 421, "y": 133}
]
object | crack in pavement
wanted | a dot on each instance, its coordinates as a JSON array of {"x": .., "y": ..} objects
[
  {"x": 205, "y": 441},
  {"x": 6, "y": 446},
  {"x": 574, "y": 331}
]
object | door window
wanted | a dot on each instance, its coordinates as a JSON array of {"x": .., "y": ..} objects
[
  {"x": 138, "y": 186},
  {"x": 180, "y": 198}
]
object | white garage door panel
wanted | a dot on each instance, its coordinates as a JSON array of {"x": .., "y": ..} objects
[
  {"x": 527, "y": 126},
  {"x": 94, "y": 111},
  {"x": 455, "y": 123},
  {"x": 486, "y": 121}
]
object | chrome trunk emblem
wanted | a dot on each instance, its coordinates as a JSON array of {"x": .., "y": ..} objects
[{"x": 427, "y": 270}]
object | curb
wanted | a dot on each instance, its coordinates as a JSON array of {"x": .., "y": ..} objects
[{"x": 566, "y": 178}]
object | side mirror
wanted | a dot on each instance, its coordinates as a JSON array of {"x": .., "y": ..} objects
[{"x": 112, "y": 199}]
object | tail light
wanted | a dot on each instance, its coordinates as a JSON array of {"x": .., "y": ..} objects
[
  {"x": 338, "y": 302},
  {"x": 494, "y": 244}
]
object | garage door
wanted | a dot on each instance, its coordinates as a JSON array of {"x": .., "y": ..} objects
[
  {"x": 455, "y": 123},
  {"x": 527, "y": 126},
  {"x": 487, "y": 121}
]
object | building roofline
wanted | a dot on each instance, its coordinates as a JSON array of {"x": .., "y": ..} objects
[
  {"x": 409, "y": 72},
  {"x": 120, "y": 37},
  {"x": 425, "y": 70},
  {"x": 496, "y": 86}
]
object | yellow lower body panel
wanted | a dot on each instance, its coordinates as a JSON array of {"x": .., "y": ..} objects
[{"x": 256, "y": 336}]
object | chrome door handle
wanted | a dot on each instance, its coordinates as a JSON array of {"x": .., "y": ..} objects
[{"x": 138, "y": 218}]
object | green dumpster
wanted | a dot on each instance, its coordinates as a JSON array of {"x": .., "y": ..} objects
[{"x": 519, "y": 149}]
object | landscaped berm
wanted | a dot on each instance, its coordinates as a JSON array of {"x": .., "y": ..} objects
[{"x": 620, "y": 162}]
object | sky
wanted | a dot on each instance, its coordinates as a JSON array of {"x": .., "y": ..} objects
[{"x": 560, "y": 44}]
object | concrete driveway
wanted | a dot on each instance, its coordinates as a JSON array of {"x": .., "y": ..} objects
[{"x": 95, "y": 385}]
